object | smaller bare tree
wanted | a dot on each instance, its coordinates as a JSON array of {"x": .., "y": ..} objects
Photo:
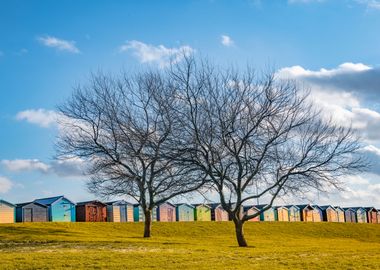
[
  {"x": 124, "y": 128},
  {"x": 258, "y": 138}
]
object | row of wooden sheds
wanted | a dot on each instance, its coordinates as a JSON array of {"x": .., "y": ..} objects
[{"x": 62, "y": 209}]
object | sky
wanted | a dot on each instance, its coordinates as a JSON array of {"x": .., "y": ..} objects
[{"x": 48, "y": 47}]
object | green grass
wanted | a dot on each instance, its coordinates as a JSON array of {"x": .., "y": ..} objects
[{"x": 195, "y": 245}]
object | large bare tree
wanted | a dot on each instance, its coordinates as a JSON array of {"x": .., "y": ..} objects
[
  {"x": 258, "y": 137},
  {"x": 125, "y": 129}
]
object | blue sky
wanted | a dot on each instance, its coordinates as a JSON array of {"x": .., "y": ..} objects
[{"x": 47, "y": 47}]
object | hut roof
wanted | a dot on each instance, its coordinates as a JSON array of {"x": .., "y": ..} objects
[
  {"x": 371, "y": 208},
  {"x": 303, "y": 206},
  {"x": 26, "y": 203},
  {"x": 214, "y": 205},
  {"x": 167, "y": 203},
  {"x": 51, "y": 200},
  {"x": 291, "y": 205},
  {"x": 357, "y": 208},
  {"x": 7, "y": 203},
  {"x": 247, "y": 207},
  {"x": 119, "y": 202},
  {"x": 200, "y": 204},
  {"x": 325, "y": 207},
  {"x": 280, "y": 206},
  {"x": 348, "y": 209},
  {"x": 187, "y": 204},
  {"x": 93, "y": 201},
  {"x": 338, "y": 207}
]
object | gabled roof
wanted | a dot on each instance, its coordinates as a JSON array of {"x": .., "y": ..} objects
[
  {"x": 247, "y": 207},
  {"x": 26, "y": 203},
  {"x": 292, "y": 205},
  {"x": 88, "y": 202},
  {"x": 202, "y": 204},
  {"x": 119, "y": 202},
  {"x": 215, "y": 205},
  {"x": 167, "y": 203},
  {"x": 348, "y": 209},
  {"x": 51, "y": 200},
  {"x": 7, "y": 203},
  {"x": 371, "y": 209},
  {"x": 187, "y": 204},
  {"x": 357, "y": 208},
  {"x": 325, "y": 207},
  {"x": 303, "y": 206},
  {"x": 338, "y": 207},
  {"x": 261, "y": 206},
  {"x": 280, "y": 206}
]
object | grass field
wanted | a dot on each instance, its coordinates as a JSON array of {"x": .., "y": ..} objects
[{"x": 198, "y": 245}]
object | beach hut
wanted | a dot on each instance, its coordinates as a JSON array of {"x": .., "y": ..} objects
[
  {"x": 166, "y": 212},
  {"x": 307, "y": 212},
  {"x": 378, "y": 215},
  {"x": 59, "y": 208},
  {"x": 202, "y": 212},
  {"x": 7, "y": 212},
  {"x": 350, "y": 215},
  {"x": 184, "y": 212},
  {"x": 317, "y": 214},
  {"x": 250, "y": 210},
  {"x": 371, "y": 215},
  {"x": 329, "y": 213},
  {"x": 339, "y": 214},
  {"x": 282, "y": 213},
  {"x": 361, "y": 214},
  {"x": 31, "y": 212},
  {"x": 218, "y": 213},
  {"x": 91, "y": 211},
  {"x": 138, "y": 213},
  {"x": 294, "y": 213},
  {"x": 120, "y": 211},
  {"x": 267, "y": 215}
]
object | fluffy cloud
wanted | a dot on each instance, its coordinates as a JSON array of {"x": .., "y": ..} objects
[
  {"x": 59, "y": 44},
  {"x": 348, "y": 93},
  {"x": 226, "y": 41},
  {"x": 41, "y": 117},
  {"x": 160, "y": 54},
  {"x": 73, "y": 167},
  {"x": 5, "y": 184}
]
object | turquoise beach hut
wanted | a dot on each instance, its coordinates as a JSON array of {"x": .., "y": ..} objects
[{"x": 59, "y": 208}]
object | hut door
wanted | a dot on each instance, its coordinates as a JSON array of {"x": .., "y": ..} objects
[
  {"x": 92, "y": 213},
  {"x": 170, "y": 214},
  {"x": 28, "y": 216},
  {"x": 123, "y": 213}
]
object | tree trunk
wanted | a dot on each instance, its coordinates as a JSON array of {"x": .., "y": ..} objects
[
  {"x": 148, "y": 223},
  {"x": 240, "y": 233}
]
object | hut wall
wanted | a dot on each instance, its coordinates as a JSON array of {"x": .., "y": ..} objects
[
  {"x": 340, "y": 215},
  {"x": 202, "y": 213},
  {"x": 166, "y": 213},
  {"x": 307, "y": 215},
  {"x": 252, "y": 211},
  {"x": 350, "y": 216},
  {"x": 372, "y": 216},
  {"x": 95, "y": 212},
  {"x": 317, "y": 215},
  {"x": 113, "y": 213},
  {"x": 63, "y": 210},
  {"x": 7, "y": 213},
  {"x": 294, "y": 214},
  {"x": 268, "y": 215},
  {"x": 184, "y": 213},
  {"x": 331, "y": 215},
  {"x": 138, "y": 214},
  {"x": 361, "y": 216},
  {"x": 282, "y": 214},
  {"x": 220, "y": 214}
]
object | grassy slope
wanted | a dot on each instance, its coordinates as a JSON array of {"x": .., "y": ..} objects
[{"x": 199, "y": 245}]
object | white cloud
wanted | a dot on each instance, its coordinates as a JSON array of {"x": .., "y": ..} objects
[
  {"x": 43, "y": 118},
  {"x": 5, "y": 184},
  {"x": 18, "y": 165},
  {"x": 59, "y": 44},
  {"x": 227, "y": 41},
  {"x": 72, "y": 167},
  {"x": 373, "y": 4},
  {"x": 160, "y": 54}
]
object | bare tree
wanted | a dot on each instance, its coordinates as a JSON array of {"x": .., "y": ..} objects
[
  {"x": 124, "y": 128},
  {"x": 258, "y": 138}
]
